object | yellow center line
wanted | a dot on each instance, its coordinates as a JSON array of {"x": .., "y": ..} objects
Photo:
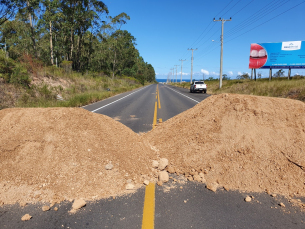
[
  {"x": 159, "y": 99},
  {"x": 155, "y": 115},
  {"x": 149, "y": 207}
]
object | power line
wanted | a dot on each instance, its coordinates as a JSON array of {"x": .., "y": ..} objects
[
  {"x": 224, "y": 8},
  {"x": 267, "y": 21},
  {"x": 209, "y": 25},
  {"x": 257, "y": 17},
  {"x": 242, "y": 8},
  {"x": 254, "y": 28},
  {"x": 231, "y": 8}
]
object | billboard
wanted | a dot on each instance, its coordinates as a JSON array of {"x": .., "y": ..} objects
[{"x": 290, "y": 54}]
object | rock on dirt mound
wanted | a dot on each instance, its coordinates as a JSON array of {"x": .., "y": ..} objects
[
  {"x": 240, "y": 142},
  {"x": 52, "y": 154}
]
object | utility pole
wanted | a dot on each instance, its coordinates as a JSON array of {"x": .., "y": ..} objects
[
  {"x": 176, "y": 72},
  {"x": 221, "y": 51},
  {"x": 181, "y": 70},
  {"x": 192, "y": 63},
  {"x": 172, "y": 69}
]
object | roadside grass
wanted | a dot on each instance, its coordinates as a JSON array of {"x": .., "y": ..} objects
[
  {"x": 55, "y": 87},
  {"x": 278, "y": 87}
]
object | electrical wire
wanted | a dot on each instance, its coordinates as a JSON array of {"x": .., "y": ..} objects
[
  {"x": 257, "y": 17},
  {"x": 266, "y": 21}
]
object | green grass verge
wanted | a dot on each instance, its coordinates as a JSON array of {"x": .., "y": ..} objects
[{"x": 278, "y": 87}]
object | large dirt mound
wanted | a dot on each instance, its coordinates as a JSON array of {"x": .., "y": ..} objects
[
  {"x": 60, "y": 153},
  {"x": 240, "y": 142}
]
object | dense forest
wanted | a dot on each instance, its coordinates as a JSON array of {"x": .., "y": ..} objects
[{"x": 75, "y": 34}]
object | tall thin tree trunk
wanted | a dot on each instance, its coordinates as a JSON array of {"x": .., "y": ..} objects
[
  {"x": 113, "y": 65},
  {"x": 32, "y": 30},
  {"x": 72, "y": 43},
  {"x": 51, "y": 44}
]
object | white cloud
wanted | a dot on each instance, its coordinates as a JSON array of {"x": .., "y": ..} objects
[
  {"x": 205, "y": 72},
  {"x": 239, "y": 73},
  {"x": 230, "y": 73},
  {"x": 183, "y": 73},
  {"x": 214, "y": 74}
]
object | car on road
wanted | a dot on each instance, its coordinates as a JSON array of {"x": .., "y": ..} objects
[{"x": 198, "y": 86}]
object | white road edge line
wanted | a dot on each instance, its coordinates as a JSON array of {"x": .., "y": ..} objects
[
  {"x": 182, "y": 94},
  {"x": 118, "y": 99}
]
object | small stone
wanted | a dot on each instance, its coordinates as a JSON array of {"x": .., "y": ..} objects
[
  {"x": 56, "y": 209},
  {"x": 146, "y": 182},
  {"x": 52, "y": 204},
  {"x": 226, "y": 188},
  {"x": 163, "y": 176},
  {"x": 282, "y": 204},
  {"x": 159, "y": 183},
  {"x": 128, "y": 181},
  {"x": 201, "y": 175},
  {"x": 181, "y": 187},
  {"x": 1, "y": 203},
  {"x": 193, "y": 172},
  {"x": 190, "y": 178},
  {"x": 163, "y": 163},
  {"x": 45, "y": 208},
  {"x": 170, "y": 169},
  {"x": 23, "y": 204},
  {"x": 109, "y": 166},
  {"x": 197, "y": 178},
  {"x": 273, "y": 195},
  {"x": 130, "y": 186},
  {"x": 212, "y": 186},
  {"x": 26, "y": 217},
  {"x": 185, "y": 201},
  {"x": 155, "y": 164},
  {"x": 248, "y": 199},
  {"x": 77, "y": 205}
]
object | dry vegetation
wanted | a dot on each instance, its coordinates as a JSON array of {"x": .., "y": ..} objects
[
  {"x": 56, "y": 87},
  {"x": 278, "y": 87}
]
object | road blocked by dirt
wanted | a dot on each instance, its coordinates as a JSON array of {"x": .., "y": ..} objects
[
  {"x": 239, "y": 142},
  {"x": 53, "y": 154}
]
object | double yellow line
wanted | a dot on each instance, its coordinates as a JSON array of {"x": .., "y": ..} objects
[
  {"x": 157, "y": 104},
  {"x": 148, "y": 221}
]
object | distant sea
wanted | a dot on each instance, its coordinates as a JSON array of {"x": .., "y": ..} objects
[{"x": 173, "y": 81}]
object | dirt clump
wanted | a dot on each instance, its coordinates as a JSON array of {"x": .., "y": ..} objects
[
  {"x": 56, "y": 154},
  {"x": 243, "y": 142}
]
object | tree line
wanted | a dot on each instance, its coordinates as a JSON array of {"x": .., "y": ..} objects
[{"x": 76, "y": 33}]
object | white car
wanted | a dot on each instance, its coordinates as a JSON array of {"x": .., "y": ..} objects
[{"x": 198, "y": 86}]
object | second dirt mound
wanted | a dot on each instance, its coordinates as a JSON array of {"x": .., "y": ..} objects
[{"x": 241, "y": 142}]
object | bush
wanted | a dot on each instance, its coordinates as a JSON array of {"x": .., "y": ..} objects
[
  {"x": 67, "y": 66},
  {"x": 20, "y": 76}
]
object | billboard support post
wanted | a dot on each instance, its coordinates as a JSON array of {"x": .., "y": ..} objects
[
  {"x": 251, "y": 73},
  {"x": 255, "y": 74},
  {"x": 270, "y": 74},
  {"x": 289, "y": 73}
]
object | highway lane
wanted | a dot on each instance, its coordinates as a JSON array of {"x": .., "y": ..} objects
[{"x": 136, "y": 109}]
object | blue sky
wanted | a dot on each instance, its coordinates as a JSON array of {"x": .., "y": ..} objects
[{"x": 165, "y": 29}]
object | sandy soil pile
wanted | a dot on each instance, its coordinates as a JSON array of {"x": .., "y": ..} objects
[
  {"x": 61, "y": 153},
  {"x": 240, "y": 142}
]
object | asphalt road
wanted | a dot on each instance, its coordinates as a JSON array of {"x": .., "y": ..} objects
[
  {"x": 185, "y": 205},
  {"x": 136, "y": 109}
]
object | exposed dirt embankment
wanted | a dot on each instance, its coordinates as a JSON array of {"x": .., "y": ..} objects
[
  {"x": 66, "y": 153},
  {"x": 240, "y": 142}
]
